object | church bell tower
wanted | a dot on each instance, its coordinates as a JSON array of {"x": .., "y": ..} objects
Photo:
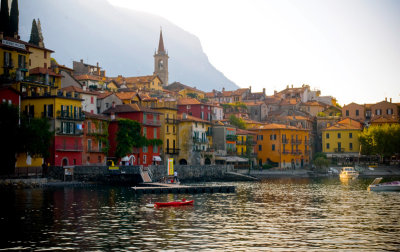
[{"x": 161, "y": 62}]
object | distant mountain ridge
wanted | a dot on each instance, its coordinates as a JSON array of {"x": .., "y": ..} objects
[{"x": 122, "y": 41}]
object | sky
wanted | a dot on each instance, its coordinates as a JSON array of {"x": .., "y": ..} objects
[{"x": 348, "y": 49}]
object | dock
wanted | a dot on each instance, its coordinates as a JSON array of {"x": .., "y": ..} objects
[{"x": 159, "y": 188}]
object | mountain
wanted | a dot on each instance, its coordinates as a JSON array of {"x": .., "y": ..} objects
[{"x": 122, "y": 41}]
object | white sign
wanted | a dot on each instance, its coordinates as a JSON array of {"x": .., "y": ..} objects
[{"x": 13, "y": 44}]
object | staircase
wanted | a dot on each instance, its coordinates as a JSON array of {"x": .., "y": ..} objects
[{"x": 144, "y": 173}]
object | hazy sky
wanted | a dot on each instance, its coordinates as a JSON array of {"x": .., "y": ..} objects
[{"x": 349, "y": 49}]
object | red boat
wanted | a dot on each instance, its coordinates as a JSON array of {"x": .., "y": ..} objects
[{"x": 174, "y": 203}]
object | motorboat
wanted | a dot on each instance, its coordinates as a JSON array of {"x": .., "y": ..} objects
[
  {"x": 376, "y": 186},
  {"x": 348, "y": 173},
  {"x": 184, "y": 202}
]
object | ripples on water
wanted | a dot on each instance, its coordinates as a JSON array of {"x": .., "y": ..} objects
[{"x": 276, "y": 214}]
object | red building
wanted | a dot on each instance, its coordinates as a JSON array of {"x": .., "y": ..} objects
[
  {"x": 9, "y": 95},
  {"x": 95, "y": 137},
  {"x": 193, "y": 107},
  {"x": 150, "y": 128}
]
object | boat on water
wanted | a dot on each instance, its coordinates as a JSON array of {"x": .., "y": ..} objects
[
  {"x": 184, "y": 202},
  {"x": 348, "y": 173},
  {"x": 376, "y": 186}
]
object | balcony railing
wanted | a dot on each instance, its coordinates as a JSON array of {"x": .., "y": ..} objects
[
  {"x": 70, "y": 116},
  {"x": 200, "y": 140},
  {"x": 248, "y": 142},
  {"x": 231, "y": 138},
  {"x": 73, "y": 132},
  {"x": 171, "y": 121},
  {"x": 285, "y": 141},
  {"x": 172, "y": 151},
  {"x": 69, "y": 147},
  {"x": 339, "y": 150},
  {"x": 95, "y": 150},
  {"x": 296, "y": 141}
]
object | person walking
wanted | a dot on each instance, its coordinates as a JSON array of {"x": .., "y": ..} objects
[{"x": 175, "y": 176}]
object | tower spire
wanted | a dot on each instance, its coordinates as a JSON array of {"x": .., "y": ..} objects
[{"x": 161, "y": 43}]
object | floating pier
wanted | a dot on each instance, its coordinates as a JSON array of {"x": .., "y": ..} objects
[{"x": 158, "y": 188}]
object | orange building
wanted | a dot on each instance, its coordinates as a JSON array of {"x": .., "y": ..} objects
[
  {"x": 283, "y": 146},
  {"x": 95, "y": 139}
]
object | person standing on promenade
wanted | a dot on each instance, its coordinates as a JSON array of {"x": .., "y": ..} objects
[{"x": 175, "y": 176}]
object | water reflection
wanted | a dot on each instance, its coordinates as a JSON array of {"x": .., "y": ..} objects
[{"x": 275, "y": 214}]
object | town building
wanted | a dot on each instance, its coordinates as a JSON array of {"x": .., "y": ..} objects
[
  {"x": 95, "y": 139},
  {"x": 161, "y": 62},
  {"x": 193, "y": 107},
  {"x": 283, "y": 146}
]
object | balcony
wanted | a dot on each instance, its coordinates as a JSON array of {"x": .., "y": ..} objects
[
  {"x": 70, "y": 116},
  {"x": 232, "y": 138},
  {"x": 297, "y": 152},
  {"x": 171, "y": 121},
  {"x": 285, "y": 141},
  {"x": 95, "y": 150},
  {"x": 248, "y": 142},
  {"x": 200, "y": 140},
  {"x": 172, "y": 151},
  {"x": 231, "y": 152},
  {"x": 286, "y": 152},
  {"x": 72, "y": 132},
  {"x": 339, "y": 150},
  {"x": 69, "y": 147},
  {"x": 296, "y": 141},
  {"x": 152, "y": 123}
]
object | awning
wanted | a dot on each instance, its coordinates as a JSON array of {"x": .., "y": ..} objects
[
  {"x": 236, "y": 159},
  {"x": 126, "y": 158},
  {"x": 156, "y": 158}
]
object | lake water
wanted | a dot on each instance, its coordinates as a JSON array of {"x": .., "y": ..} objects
[{"x": 273, "y": 215}]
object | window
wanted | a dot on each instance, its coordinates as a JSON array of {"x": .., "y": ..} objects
[
  {"x": 350, "y": 135},
  {"x": 144, "y": 149},
  {"x": 167, "y": 129},
  {"x": 339, "y": 135},
  {"x": 144, "y": 159},
  {"x": 273, "y": 147},
  {"x": 45, "y": 54},
  {"x": 350, "y": 146},
  {"x": 187, "y": 106},
  {"x": 327, "y": 135},
  {"x": 202, "y": 115},
  {"x": 91, "y": 100},
  {"x": 155, "y": 149},
  {"x": 100, "y": 146},
  {"x": 89, "y": 144},
  {"x": 327, "y": 146},
  {"x": 259, "y": 147},
  {"x": 89, "y": 127},
  {"x": 144, "y": 131},
  {"x": 389, "y": 111},
  {"x": 144, "y": 118},
  {"x": 155, "y": 133},
  {"x": 378, "y": 112},
  {"x": 357, "y": 112},
  {"x": 347, "y": 112}
]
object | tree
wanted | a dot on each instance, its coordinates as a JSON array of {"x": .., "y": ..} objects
[
  {"x": 238, "y": 122},
  {"x": 21, "y": 135},
  {"x": 4, "y": 18},
  {"x": 34, "y": 39},
  {"x": 14, "y": 17},
  {"x": 128, "y": 136},
  {"x": 192, "y": 95}
]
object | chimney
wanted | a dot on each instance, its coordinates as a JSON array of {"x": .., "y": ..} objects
[
  {"x": 385, "y": 98},
  {"x": 223, "y": 89},
  {"x": 390, "y": 100},
  {"x": 250, "y": 88},
  {"x": 81, "y": 60},
  {"x": 292, "y": 85},
  {"x": 264, "y": 91}
]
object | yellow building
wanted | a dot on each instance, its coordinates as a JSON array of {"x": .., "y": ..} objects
[
  {"x": 245, "y": 139},
  {"x": 282, "y": 146},
  {"x": 128, "y": 97},
  {"x": 14, "y": 56},
  {"x": 185, "y": 91},
  {"x": 40, "y": 56},
  {"x": 341, "y": 139},
  {"x": 169, "y": 126},
  {"x": 194, "y": 141},
  {"x": 65, "y": 115}
]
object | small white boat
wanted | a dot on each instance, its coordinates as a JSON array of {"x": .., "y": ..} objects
[
  {"x": 376, "y": 186},
  {"x": 348, "y": 173}
]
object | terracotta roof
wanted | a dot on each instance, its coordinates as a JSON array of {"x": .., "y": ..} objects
[
  {"x": 276, "y": 126},
  {"x": 289, "y": 102},
  {"x": 125, "y": 108},
  {"x": 104, "y": 95},
  {"x": 191, "y": 118},
  {"x": 42, "y": 70},
  {"x": 188, "y": 101},
  {"x": 244, "y": 132},
  {"x": 350, "y": 121},
  {"x": 253, "y": 103},
  {"x": 313, "y": 103},
  {"x": 88, "y": 77},
  {"x": 78, "y": 90},
  {"x": 15, "y": 48},
  {"x": 126, "y": 95},
  {"x": 27, "y": 44},
  {"x": 339, "y": 126},
  {"x": 240, "y": 91},
  {"x": 96, "y": 116},
  {"x": 385, "y": 120}
]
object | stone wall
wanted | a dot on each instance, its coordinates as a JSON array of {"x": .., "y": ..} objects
[{"x": 192, "y": 172}]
